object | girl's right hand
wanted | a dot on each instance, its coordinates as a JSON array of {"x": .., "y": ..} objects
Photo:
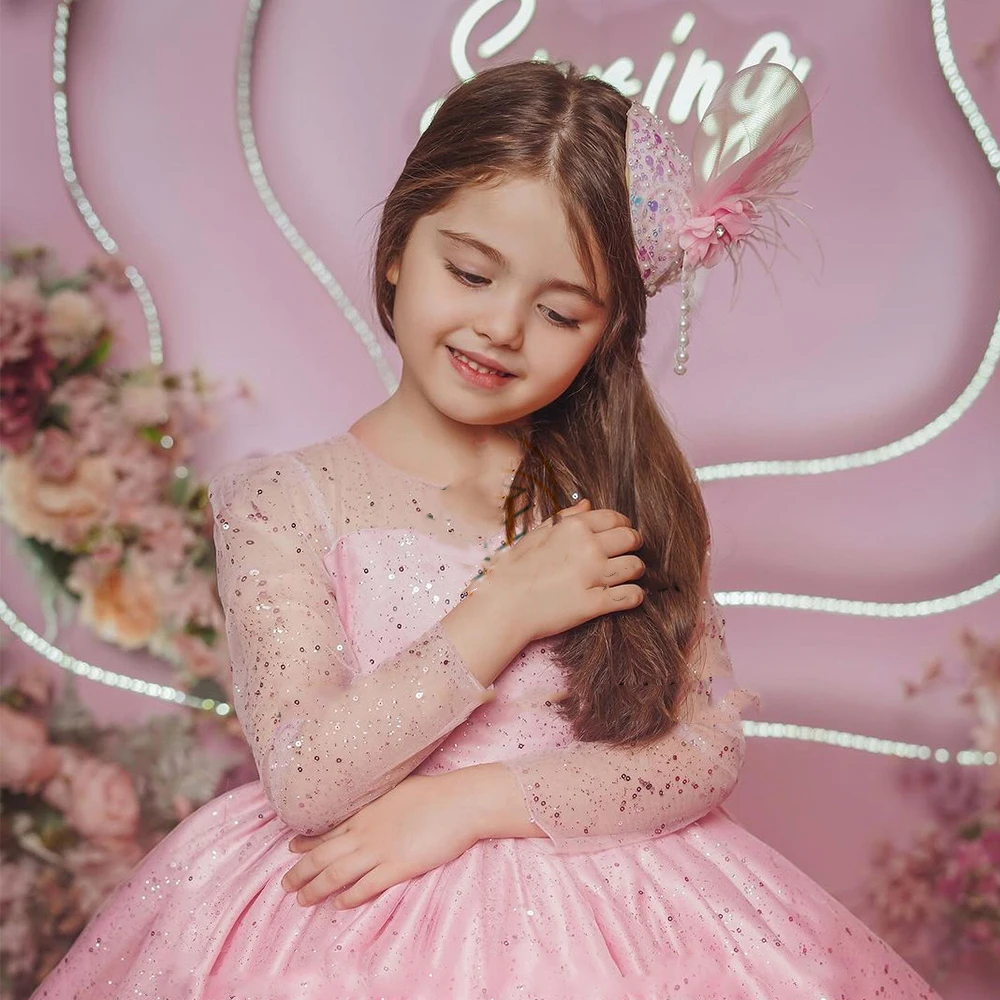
[{"x": 558, "y": 575}]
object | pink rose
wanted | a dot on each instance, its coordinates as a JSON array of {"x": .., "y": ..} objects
[
  {"x": 142, "y": 472},
  {"x": 99, "y": 867},
  {"x": 73, "y": 321},
  {"x": 28, "y": 760},
  {"x": 90, "y": 414},
  {"x": 25, "y": 385},
  {"x": 97, "y": 799},
  {"x": 37, "y": 686},
  {"x": 56, "y": 455},
  {"x": 165, "y": 535},
  {"x": 22, "y": 310}
]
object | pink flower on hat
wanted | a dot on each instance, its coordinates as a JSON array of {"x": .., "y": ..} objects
[{"x": 704, "y": 238}]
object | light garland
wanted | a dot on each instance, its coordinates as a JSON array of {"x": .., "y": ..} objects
[
  {"x": 309, "y": 257},
  {"x": 774, "y": 730},
  {"x": 60, "y": 103},
  {"x": 82, "y": 668},
  {"x": 861, "y": 609}
]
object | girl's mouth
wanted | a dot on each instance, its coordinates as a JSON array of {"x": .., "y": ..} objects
[{"x": 475, "y": 373}]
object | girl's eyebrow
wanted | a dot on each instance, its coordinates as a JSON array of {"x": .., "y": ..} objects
[{"x": 465, "y": 239}]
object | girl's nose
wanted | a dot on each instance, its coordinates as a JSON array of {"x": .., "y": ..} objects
[{"x": 502, "y": 322}]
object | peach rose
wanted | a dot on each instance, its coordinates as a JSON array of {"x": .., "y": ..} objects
[
  {"x": 28, "y": 760},
  {"x": 145, "y": 405},
  {"x": 97, "y": 799},
  {"x": 121, "y": 607},
  {"x": 57, "y": 512},
  {"x": 72, "y": 322}
]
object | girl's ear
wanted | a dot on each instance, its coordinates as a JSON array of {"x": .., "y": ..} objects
[{"x": 392, "y": 275}]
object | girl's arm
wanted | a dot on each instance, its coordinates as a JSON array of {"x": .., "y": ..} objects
[
  {"x": 327, "y": 736},
  {"x": 589, "y": 796}
]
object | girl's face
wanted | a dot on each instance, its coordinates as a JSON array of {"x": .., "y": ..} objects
[{"x": 494, "y": 275}]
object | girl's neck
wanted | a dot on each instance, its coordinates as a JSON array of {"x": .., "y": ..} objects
[{"x": 435, "y": 452}]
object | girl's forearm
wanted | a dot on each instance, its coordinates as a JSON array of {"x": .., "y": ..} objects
[{"x": 496, "y": 806}]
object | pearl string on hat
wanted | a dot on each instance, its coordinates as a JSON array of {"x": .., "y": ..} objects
[{"x": 684, "y": 323}]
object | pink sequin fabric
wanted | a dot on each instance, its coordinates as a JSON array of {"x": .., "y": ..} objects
[{"x": 335, "y": 570}]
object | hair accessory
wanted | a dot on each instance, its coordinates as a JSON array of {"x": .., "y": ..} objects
[{"x": 691, "y": 212}]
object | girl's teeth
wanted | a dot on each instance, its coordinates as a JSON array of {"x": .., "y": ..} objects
[{"x": 475, "y": 366}]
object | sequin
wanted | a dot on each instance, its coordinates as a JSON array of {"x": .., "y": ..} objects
[{"x": 334, "y": 579}]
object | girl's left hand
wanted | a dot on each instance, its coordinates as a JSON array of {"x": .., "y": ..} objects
[{"x": 422, "y": 823}]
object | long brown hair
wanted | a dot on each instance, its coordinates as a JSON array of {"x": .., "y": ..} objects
[{"x": 604, "y": 437}]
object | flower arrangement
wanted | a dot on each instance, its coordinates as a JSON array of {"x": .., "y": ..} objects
[
  {"x": 80, "y": 805},
  {"x": 938, "y": 900},
  {"x": 93, "y": 473}
]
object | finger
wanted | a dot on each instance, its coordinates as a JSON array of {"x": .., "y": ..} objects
[
  {"x": 334, "y": 877},
  {"x": 300, "y": 843},
  {"x": 616, "y": 538},
  {"x": 318, "y": 859},
  {"x": 370, "y": 885},
  {"x": 618, "y": 598},
  {"x": 621, "y": 568}
]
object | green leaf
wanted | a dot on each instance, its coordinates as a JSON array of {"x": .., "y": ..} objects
[
  {"x": 206, "y": 687},
  {"x": 206, "y": 633},
  {"x": 97, "y": 356},
  {"x": 151, "y": 434},
  {"x": 56, "y": 562}
]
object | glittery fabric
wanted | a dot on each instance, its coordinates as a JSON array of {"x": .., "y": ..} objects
[{"x": 335, "y": 570}]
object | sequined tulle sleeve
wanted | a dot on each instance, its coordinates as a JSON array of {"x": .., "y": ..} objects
[
  {"x": 589, "y": 796},
  {"x": 326, "y": 737}
]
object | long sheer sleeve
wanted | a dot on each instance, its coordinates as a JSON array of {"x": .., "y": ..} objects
[
  {"x": 589, "y": 796},
  {"x": 326, "y": 737}
]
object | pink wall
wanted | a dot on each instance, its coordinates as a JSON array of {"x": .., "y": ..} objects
[{"x": 855, "y": 348}]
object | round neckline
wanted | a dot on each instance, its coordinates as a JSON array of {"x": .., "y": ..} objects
[{"x": 484, "y": 537}]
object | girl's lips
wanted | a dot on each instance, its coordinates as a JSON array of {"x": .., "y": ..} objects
[{"x": 482, "y": 379}]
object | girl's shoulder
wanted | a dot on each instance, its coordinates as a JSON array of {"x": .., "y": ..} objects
[{"x": 307, "y": 474}]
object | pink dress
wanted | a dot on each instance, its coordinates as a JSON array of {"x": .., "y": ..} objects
[{"x": 335, "y": 570}]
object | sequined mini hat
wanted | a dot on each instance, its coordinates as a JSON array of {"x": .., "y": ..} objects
[{"x": 690, "y": 212}]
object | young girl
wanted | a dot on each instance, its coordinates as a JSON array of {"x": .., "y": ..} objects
[{"x": 473, "y": 640}]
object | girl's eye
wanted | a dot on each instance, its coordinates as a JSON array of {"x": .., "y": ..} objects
[
  {"x": 467, "y": 277},
  {"x": 473, "y": 280},
  {"x": 558, "y": 320}
]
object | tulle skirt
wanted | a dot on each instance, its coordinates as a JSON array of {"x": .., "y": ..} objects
[{"x": 706, "y": 913}]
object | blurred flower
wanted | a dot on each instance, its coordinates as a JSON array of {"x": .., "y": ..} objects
[
  {"x": 98, "y": 868},
  {"x": 57, "y": 512},
  {"x": 22, "y": 310},
  {"x": 110, "y": 269},
  {"x": 144, "y": 404},
  {"x": 28, "y": 760},
  {"x": 37, "y": 686},
  {"x": 142, "y": 471},
  {"x": 199, "y": 660},
  {"x": 97, "y": 799},
  {"x": 164, "y": 535},
  {"x": 56, "y": 455},
  {"x": 89, "y": 414},
  {"x": 190, "y": 598},
  {"x": 73, "y": 321},
  {"x": 121, "y": 606},
  {"x": 25, "y": 385}
]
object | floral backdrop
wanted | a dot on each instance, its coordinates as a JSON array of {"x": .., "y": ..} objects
[{"x": 95, "y": 484}]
